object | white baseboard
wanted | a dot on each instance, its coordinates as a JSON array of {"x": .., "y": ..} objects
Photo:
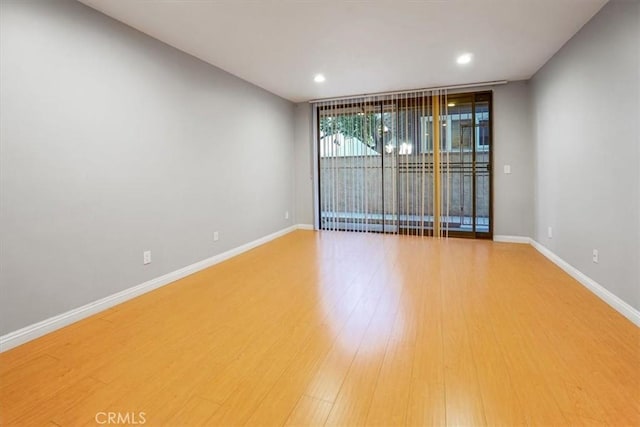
[
  {"x": 512, "y": 239},
  {"x": 620, "y": 306},
  {"x": 31, "y": 332}
]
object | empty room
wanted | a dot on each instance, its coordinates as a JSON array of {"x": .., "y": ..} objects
[{"x": 322, "y": 212}]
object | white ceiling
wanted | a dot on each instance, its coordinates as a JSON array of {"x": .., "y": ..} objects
[{"x": 360, "y": 46}]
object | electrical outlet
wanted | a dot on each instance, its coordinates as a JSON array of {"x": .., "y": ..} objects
[
  {"x": 595, "y": 256},
  {"x": 507, "y": 168},
  {"x": 216, "y": 236},
  {"x": 550, "y": 232},
  {"x": 286, "y": 215},
  {"x": 146, "y": 257}
]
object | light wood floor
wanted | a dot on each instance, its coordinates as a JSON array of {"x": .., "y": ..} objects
[{"x": 343, "y": 329}]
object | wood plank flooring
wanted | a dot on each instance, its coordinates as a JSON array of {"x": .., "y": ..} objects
[{"x": 334, "y": 328}]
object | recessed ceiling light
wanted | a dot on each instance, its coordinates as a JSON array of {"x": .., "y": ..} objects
[
  {"x": 451, "y": 104},
  {"x": 465, "y": 58},
  {"x": 319, "y": 78}
]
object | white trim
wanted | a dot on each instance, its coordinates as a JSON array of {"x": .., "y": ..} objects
[
  {"x": 31, "y": 332},
  {"x": 619, "y": 305},
  {"x": 512, "y": 239}
]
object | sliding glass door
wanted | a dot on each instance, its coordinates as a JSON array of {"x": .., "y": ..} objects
[
  {"x": 351, "y": 169},
  {"x": 468, "y": 154},
  {"x": 408, "y": 164}
]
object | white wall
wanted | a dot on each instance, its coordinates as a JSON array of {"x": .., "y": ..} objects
[
  {"x": 586, "y": 107},
  {"x": 113, "y": 143}
]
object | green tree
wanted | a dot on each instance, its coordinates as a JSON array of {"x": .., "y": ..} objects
[{"x": 368, "y": 128}]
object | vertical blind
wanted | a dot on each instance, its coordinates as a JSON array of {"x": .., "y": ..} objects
[{"x": 384, "y": 165}]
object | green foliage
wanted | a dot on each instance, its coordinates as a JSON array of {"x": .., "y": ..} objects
[{"x": 368, "y": 128}]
